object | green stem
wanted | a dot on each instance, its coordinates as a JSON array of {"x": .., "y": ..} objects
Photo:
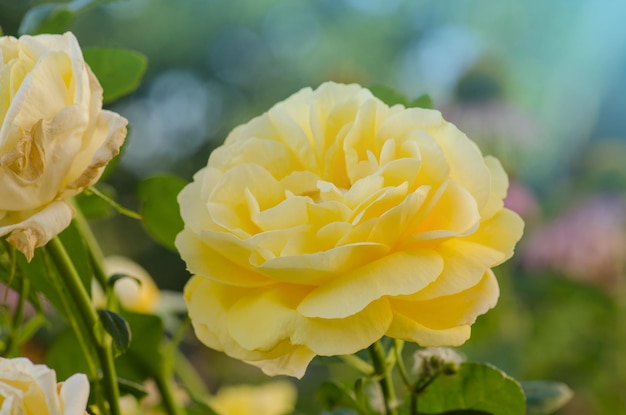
[
  {"x": 167, "y": 396},
  {"x": 87, "y": 313},
  {"x": 414, "y": 404},
  {"x": 96, "y": 256},
  {"x": 12, "y": 342},
  {"x": 80, "y": 330},
  {"x": 357, "y": 363},
  {"x": 120, "y": 209},
  {"x": 189, "y": 378},
  {"x": 163, "y": 383},
  {"x": 419, "y": 387},
  {"x": 397, "y": 348},
  {"x": 382, "y": 371}
]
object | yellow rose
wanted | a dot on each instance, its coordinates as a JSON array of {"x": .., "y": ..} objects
[
  {"x": 333, "y": 220},
  {"x": 274, "y": 398},
  {"x": 140, "y": 295},
  {"x": 29, "y": 389},
  {"x": 55, "y": 139}
]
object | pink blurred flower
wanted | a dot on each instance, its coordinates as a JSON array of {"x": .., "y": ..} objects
[
  {"x": 9, "y": 298},
  {"x": 587, "y": 243}
]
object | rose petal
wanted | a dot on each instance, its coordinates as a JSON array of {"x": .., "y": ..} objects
[
  {"x": 328, "y": 337},
  {"x": 501, "y": 232},
  {"x": 499, "y": 186},
  {"x": 274, "y": 156},
  {"x": 394, "y": 223},
  {"x": 289, "y": 213},
  {"x": 37, "y": 229},
  {"x": 293, "y": 363},
  {"x": 274, "y": 307},
  {"x": 290, "y": 120},
  {"x": 404, "y": 328},
  {"x": 319, "y": 267},
  {"x": 75, "y": 394},
  {"x": 451, "y": 212},
  {"x": 204, "y": 261},
  {"x": 208, "y": 304},
  {"x": 452, "y": 310},
  {"x": 109, "y": 134},
  {"x": 399, "y": 273},
  {"x": 359, "y": 139},
  {"x": 464, "y": 266},
  {"x": 403, "y": 123},
  {"x": 400, "y": 171},
  {"x": 467, "y": 166}
]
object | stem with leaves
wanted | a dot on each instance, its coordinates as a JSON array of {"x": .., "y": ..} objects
[
  {"x": 87, "y": 313},
  {"x": 382, "y": 371}
]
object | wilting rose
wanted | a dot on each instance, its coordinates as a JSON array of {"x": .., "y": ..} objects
[
  {"x": 333, "y": 220},
  {"x": 29, "y": 389},
  {"x": 55, "y": 139},
  {"x": 274, "y": 398}
]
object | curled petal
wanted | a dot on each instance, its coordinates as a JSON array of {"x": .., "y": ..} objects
[{"x": 37, "y": 229}]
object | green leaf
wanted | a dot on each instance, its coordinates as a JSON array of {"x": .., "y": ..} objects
[
  {"x": 392, "y": 97},
  {"x": 128, "y": 387},
  {"x": 118, "y": 328},
  {"x": 46, "y": 18},
  {"x": 39, "y": 272},
  {"x": 118, "y": 70},
  {"x": 475, "y": 387},
  {"x": 423, "y": 101},
  {"x": 388, "y": 95},
  {"x": 65, "y": 355},
  {"x": 79, "y": 6},
  {"x": 330, "y": 395},
  {"x": 144, "y": 357},
  {"x": 544, "y": 397},
  {"x": 160, "y": 210},
  {"x": 55, "y": 17},
  {"x": 11, "y": 274}
]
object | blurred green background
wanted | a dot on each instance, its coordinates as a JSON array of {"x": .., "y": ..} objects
[{"x": 540, "y": 84}]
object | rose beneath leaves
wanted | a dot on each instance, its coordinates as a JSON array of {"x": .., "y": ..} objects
[
  {"x": 29, "y": 389},
  {"x": 274, "y": 398},
  {"x": 55, "y": 138},
  {"x": 136, "y": 292},
  {"x": 333, "y": 220}
]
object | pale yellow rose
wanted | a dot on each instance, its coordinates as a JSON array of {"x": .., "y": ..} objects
[
  {"x": 55, "y": 139},
  {"x": 139, "y": 293},
  {"x": 333, "y": 220},
  {"x": 274, "y": 398},
  {"x": 29, "y": 389}
]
